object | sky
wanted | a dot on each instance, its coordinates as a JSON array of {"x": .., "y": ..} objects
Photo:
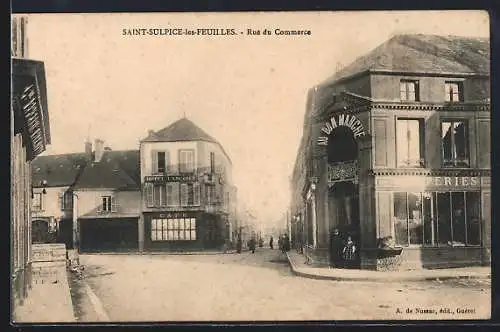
[{"x": 247, "y": 91}]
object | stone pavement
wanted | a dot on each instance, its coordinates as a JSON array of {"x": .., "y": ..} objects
[
  {"x": 300, "y": 268},
  {"x": 47, "y": 302}
]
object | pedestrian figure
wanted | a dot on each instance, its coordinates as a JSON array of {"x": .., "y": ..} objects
[
  {"x": 349, "y": 252},
  {"x": 280, "y": 243},
  {"x": 286, "y": 243},
  {"x": 336, "y": 248},
  {"x": 239, "y": 244},
  {"x": 271, "y": 242},
  {"x": 251, "y": 245}
]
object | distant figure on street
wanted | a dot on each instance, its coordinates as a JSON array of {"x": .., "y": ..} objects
[
  {"x": 280, "y": 242},
  {"x": 287, "y": 243},
  {"x": 239, "y": 244},
  {"x": 336, "y": 248},
  {"x": 271, "y": 242},
  {"x": 349, "y": 252},
  {"x": 251, "y": 245}
]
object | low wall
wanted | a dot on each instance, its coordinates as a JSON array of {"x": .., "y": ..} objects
[{"x": 426, "y": 258}]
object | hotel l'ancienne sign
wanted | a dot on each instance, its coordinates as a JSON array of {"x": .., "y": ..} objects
[
  {"x": 170, "y": 178},
  {"x": 347, "y": 120}
]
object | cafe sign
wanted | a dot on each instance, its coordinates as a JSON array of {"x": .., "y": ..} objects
[
  {"x": 347, "y": 120},
  {"x": 170, "y": 178}
]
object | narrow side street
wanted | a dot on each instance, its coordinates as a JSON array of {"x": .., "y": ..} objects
[{"x": 261, "y": 286}]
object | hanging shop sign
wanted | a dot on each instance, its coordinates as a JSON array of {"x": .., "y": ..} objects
[
  {"x": 342, "y": 171},
  {"x": 170, "y": 178},
  {"x": 347, "y": 120},
  {"x": 30, "y": 107}
]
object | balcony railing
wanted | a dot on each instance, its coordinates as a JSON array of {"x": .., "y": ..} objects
[{"x": 342, "y": 171}]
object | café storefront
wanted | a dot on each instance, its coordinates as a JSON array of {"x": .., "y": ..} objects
[{"x": 177, "y": 216}]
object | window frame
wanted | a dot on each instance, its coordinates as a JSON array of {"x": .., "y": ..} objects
[
  {"x": 421, "y": 133},
  {"x": 37, "y": 208},
  {"x": 468, "y": 143},
  {"x": 460, "y": 93},
  {"x": 435, "y": 219},
  {"x": 406, "y": 83},
  {"x": 183, "y": 167},
  {"x": 173, "y": 227}
]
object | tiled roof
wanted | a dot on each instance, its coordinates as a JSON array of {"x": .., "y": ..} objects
[
  {"x": 58, "y": 170},
  {"x": 183, "y": 130},
  {"x": 180, "y": 130},
  {"x": 424, "y": 53},
  {"x": 116, "y": 170},
  {"x": 110, "y": 172}
]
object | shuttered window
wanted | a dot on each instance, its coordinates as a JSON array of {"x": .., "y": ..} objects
[
  {"x": 148, "y": 192},
  {"x": 160, "y": 162},
  {"x": 107, "y": 203},
  {"x": 186, "y": 161}
]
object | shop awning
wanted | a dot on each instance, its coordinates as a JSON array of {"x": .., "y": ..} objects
[{"x": 29, "y": 102}]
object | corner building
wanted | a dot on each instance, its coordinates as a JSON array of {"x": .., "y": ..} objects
[
  {"x": 188, "y": 196},
  {"x": 397, "y": 146}
]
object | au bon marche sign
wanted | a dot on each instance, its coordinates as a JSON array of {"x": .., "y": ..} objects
[{"x": 347, "y": 120}]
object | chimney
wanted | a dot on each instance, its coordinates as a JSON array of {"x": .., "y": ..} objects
[
  {"x": 99, "y": 149},
  {"x": 88, "y": 150}
]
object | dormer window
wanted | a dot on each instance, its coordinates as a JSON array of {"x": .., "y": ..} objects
[
  {"x": 453, "y": 92},
  {"x": 408, "y": 90}
]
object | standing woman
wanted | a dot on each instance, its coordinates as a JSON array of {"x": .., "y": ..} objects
[{"x": 349, "y": 252}]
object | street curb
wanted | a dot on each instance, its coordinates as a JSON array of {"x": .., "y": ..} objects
[
  {"x": 96, "y": 303},
  {"x": 382, "y": 277},
  {"x": 158, "y": 253}
]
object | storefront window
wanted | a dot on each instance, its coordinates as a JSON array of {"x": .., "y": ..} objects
[
  {"x": 473, "y": 218},
  {"x": 458, "y": 217},
  {"x": 442, "y": 218},
  {"x": 415, "y": 221},
  {"x": 400, "y": 219},
  {"x": 173, "y": 229}
]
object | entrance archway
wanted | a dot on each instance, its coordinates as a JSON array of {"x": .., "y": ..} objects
[{"x": 343, "y": 193}]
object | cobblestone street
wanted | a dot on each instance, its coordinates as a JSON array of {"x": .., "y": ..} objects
[{"x": 261, "y": 286}]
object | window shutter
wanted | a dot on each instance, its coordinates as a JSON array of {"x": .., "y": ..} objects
[
  {"x": 196, "y": 193},
  {"x": 61, "y": 200},
  {"x": 154, "y": 159},
  {"x": 99, "y": 203},
  {"x": 168, "y": 165},
  {"x": 148, "y": 188},
  {"x": 184, "y": 194},
  {"x": 175, "y": 194},
  {"x": 114, "y": 203}
]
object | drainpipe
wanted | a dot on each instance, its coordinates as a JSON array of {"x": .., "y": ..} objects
[{"x": 76, "y": 234}]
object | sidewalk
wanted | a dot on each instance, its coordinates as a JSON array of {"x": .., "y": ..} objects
[
  {"x": 300, "y": 268},
  {"x": 166, "y": 253},
  {"x": 48, "y": 302}
]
